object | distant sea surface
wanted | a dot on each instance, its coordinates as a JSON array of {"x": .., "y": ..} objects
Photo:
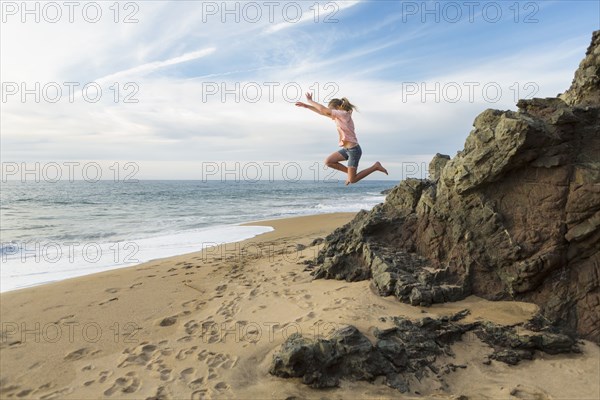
[{"x": 53, "y": 231}]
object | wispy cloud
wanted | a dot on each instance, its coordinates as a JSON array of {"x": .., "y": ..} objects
[
  {"x": 150, "y": 67},
  {"x": 322, "y": 11}
]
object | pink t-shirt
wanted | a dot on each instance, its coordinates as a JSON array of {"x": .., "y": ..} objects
[{"x": 345, "y": 126}]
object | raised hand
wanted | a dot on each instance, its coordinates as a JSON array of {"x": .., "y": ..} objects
[
  {"x": 301, "y": 104},
  {"x": 309, "y": 96}
]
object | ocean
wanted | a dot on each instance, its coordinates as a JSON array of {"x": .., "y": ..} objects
[{"x": 50, "y": 231}]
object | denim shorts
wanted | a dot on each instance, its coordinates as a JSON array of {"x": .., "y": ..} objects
[{"x": 352, "y": 155}]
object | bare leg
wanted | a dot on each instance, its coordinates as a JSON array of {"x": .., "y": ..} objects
[
  {"x": 353, "y": 177},
  {"x": 333, "y": 161}
]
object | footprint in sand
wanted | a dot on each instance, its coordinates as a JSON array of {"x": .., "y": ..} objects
[
  {"x": 338, "y": 303},
  {"x": 210, "y": 331},
  {"x": 200, "y": 305},
  {"x": 186, "y": 374},
  {"x": 104, "y": 375},
  {"x": 165, "y": 374},
  {"x": 112, "y": 290},
  {"x": 24, "y": 393},
  {"x": 78, "y": 354},
  {"x": 191, "y": 327},
  {"x": 141, "y": 355},
  {"x": 62, "y": 319},
  {"x": 335, "y": 290},
  {"x": 221, "y": 386},
  {"x": 162, "y": 393},
  {"x": 307, "y": 317},
  {"x": 229, "y": 309},
  {"x": 217, "y": 360},
  {"x": 185, "y": 353},
  {"x": 135, "y": 285},
  {"x": 220, "y": 290},
  {"x": 59, "y": 394},
  {"x": 108, "y": 301},
  {"x": 197, "y": 383},
  {"x": 528, "y": 393},
  {"x": 202, "y": 355},
  {"x": 189, "y": 303},
  {"x": 202, "y": 394},
  {"x": 46, "y": 386},
  {"x": 166, "y": 351},
  {"x": 261, "y": 307},
  {"x": 53, "y": 307},
  {"x": 129, "y": 383},
  {"x": 168, "y": 321},
  {"x": 303, "y": 303},
  {"x": 35, "y": 365}
]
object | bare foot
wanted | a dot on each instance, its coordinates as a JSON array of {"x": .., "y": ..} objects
[
  {"x": 379, "y": 167},
  {"x": 347, "y": 182}
]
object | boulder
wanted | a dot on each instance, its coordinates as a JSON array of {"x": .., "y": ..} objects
[{"x": 408, "y": 349}]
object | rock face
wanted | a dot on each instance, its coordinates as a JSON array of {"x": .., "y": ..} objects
[{"x": 514, "y": 215}]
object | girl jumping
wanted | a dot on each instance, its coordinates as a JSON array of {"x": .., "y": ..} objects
[{"x": 341, "y": 112}]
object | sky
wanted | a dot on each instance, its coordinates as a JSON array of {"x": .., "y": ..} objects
[{"x": 206, "y": 90}]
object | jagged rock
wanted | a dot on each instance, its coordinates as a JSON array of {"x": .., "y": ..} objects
[
  {"x": 436, "y": 165},
  {"x": 511, "y": 357},
  {"x": 511, "y": 346},
  {"x": 322, "y": 362},
  {"x": 585, "y": 88},
  {"x": 514, "y": 215},
  {"x": 408, "y": 348}
]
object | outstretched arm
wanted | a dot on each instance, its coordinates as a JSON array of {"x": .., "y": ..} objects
[
  {"x": 314, "y": 106},
  {"x": 301, "y": 104}
]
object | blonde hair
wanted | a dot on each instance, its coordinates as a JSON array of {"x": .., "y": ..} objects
[{"x": 341, "y": 104}]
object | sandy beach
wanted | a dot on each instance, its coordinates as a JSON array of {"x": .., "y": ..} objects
[{"x": 206, "y": 324}]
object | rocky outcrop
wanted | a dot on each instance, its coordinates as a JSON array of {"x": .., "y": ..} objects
[
  {"x": 514, "y": 215},
  {"x": 406, "y": 351},
  {"x": 584, "y": 89}
]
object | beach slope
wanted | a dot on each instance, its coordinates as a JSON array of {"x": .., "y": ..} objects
[{"x": 206, "y": 325}]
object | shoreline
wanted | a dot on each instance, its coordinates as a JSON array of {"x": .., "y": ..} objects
[
  {"x": 186, "y": 250},
  {"x": 206, "y": 324}
]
